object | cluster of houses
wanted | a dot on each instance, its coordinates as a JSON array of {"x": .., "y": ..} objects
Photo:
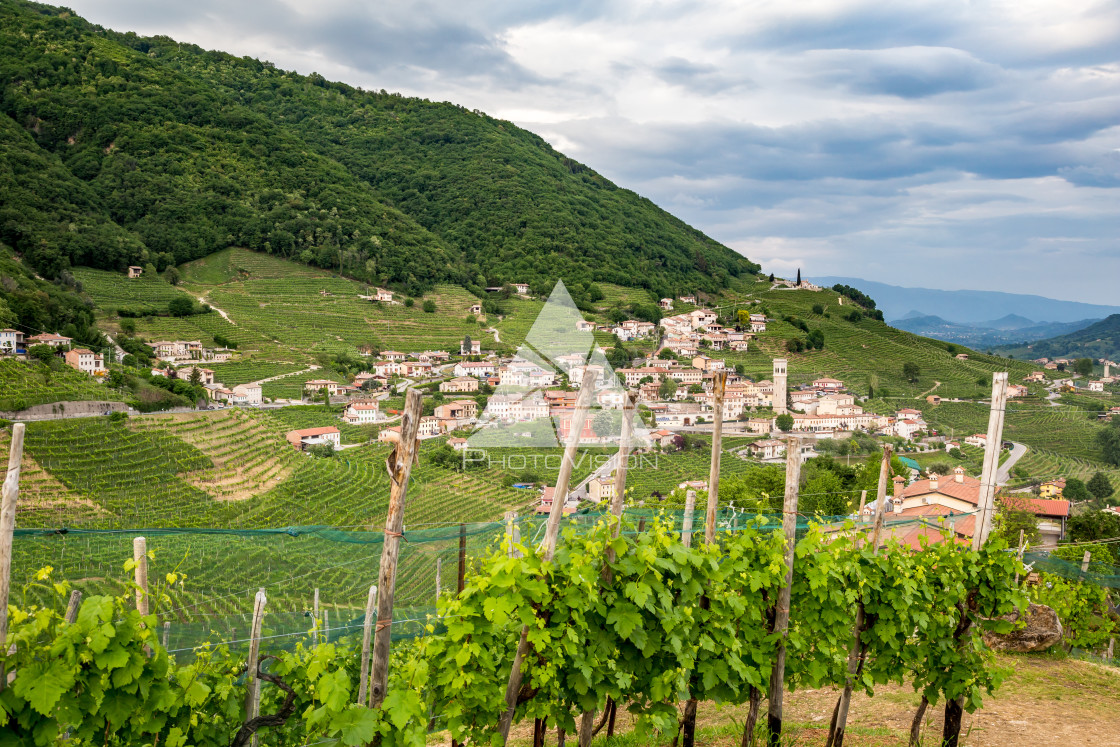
[
  {"x": 15, "y": 343},
  {"x": 216, "y": 391},
  {"x": 686, "y": 334},
  {"x": 179, "y": 351}
]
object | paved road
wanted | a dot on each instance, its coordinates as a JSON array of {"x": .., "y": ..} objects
[{"x": 1003, "y": 474}]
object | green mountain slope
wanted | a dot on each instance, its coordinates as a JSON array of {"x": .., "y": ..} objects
[
  {"x": 190, "y": 152},
  {"x": 1099, "y": 340}
]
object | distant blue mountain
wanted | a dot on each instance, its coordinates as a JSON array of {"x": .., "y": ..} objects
[{"x": 973, "y": 307}]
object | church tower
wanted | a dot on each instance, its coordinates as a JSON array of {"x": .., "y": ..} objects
[{"x": 780, "y": 388}]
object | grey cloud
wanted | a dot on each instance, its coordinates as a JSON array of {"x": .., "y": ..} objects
[
  {"x": 1104, "y": 172},
  {"x": 694, "y": 76},
  {"x": 909, "y": 73}
]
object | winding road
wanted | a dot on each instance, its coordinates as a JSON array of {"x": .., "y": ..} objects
[{"x": 1003, "y": 473}]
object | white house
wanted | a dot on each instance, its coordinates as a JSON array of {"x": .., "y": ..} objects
[
  {"x": 666, "y": 304},
  {"x": 247, "y": 394},
  {"x": 360, "y": 413},
  {"x": 86, "y": 361},
  {"x": 135, "y": 271},
  {"x": 480, "y": 369},
  {"x": 1096, "y": 386},
  {"x": 460, "y": 384},
  {"x": 305, "y": 437},
  {"x": 521, "y": 288},
  {"x": 47, "y": 338},
  {"x": 318, "y": 385},
  {"x": 383, "y": 295},
  {"x": 978, "y": 440},
  {"x": 11, "y": 340},
  {"x": 768, "y": 449}
]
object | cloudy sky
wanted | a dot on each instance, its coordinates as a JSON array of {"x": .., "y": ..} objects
[{"x": 949, "y": 143}]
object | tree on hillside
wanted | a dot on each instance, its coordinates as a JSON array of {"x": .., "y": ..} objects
[
  {"x": 1075, "y": 491},
  {"x": 1100, "y": 488},
  {"x": 799, "y": 276},
  {"x": 180, "y": 306},
  {"x": 172, "y": 275},
  {"x": 1083, "y": 366},
  {"x": 429, "y": 306},
  {"x": 196, "y": 376},
  {"x": 784, "y": 422},
  {"x": 1109, "y": 440},
  {"x": 910, "y": 371},
  {"x": 1013, "y": 515},
  {"x": 667, "y": 389}
]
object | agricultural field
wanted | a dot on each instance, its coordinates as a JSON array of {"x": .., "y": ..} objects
[
  {"x": 291, "y": 387},
  {"x": 243, "y": 372},
  {"x": 1059, "y": 429},
  {"x": 1041, "y": 465},
  {"x": 316, "y": 416},
  {"x": 115, "y": 291},
  {"x": 24, "y": 384}
]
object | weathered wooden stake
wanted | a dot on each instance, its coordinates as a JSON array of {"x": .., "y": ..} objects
[
  {"x": 315, "y": 616},
  {"x": 862, "y": 503},
  {"x": 1085, "y": 561},
  {"x": 686, "y": 521},
  {"x": 719, "y": 385},
  {"x": 166, "y": 633},
  {"x": 439, "y": 568},
  {"x": 326, "y": 626},
  {"x": 73, "y": 606},
  {"x": 856, "y": 652},
  {"x": 7, "y": 532},
  {"x": 367, "y": 629},
  {"x": 1019, "y": 555},
  {"x": 253, "y": 699},
  {"x": 552, "y": 530},
  {"x": 140, "y": 558},
  {"x": 400, "y": 469},
  {"x": 462, "y": 558},
  {"x": 781, "y": 615},
  {"x": 991, "y": 460}
]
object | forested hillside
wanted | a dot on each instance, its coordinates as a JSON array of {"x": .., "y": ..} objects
[
  {"x": 1099, "y": 340},
  {"x": 120, "y": 149}
]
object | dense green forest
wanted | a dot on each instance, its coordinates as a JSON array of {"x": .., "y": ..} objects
[
  {"x": 119, "y": 149},
  {"x": 1098, "y": 340}
]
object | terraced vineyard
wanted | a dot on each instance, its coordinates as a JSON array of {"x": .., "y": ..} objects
[
  {"x": 24, "y": 384},
  {"x": 246, "y": 451},
  {"x": 132, "y": 477},
  {"x": 291, "y": 387},
  {"x": 115, "y": 291},
  {"x": 232, "y": 374},
  {"x": 664, "y": 472},
  {"x": 203, "y": 327},
  {"x": 1059, "y": 429},
  {"x": 1044, "y": 464}
]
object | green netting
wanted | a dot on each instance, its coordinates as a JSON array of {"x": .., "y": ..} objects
[
  {"x": 1100, "y": 574},
  {"x": 224, "y": 568}
]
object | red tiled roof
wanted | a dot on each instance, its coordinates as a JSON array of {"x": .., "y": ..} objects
[
  {"x": 968, "y": 490},
  {"x": 1042, "y": 506}
]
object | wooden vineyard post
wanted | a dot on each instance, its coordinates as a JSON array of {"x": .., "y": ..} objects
[
  {"x": 1085, "y": 561},
  {"x": 719, "y": 386},
  {"x": 73, "y": 606},
  {"x": 462, "y": 558},
  {"x": 1019, "y": 555},
  {"x": 586, "y": 728},
  {"x": 991, "y": 460},
  {"x": 686, "y": 520},
  {"x": 856, "y": 652},
  {"x": 140, "y": 559},
  {"x": 326, "y": 626},
  {"x": 954, "y": 708},
  {"x": 7, "y": 533},
  {"x": 367, "y": 629},
  {"x": 400, "y": 470},
  {"x": 315, "y": 616},
  {"x": 439, "y": 567},
  {"x": 781, "y": 612},
  {"x": 552, "y": 530},
  {"x": 166, "y": 634},
  {"x": 253, "y": 699},
  {"x": 862, "y": 503}
]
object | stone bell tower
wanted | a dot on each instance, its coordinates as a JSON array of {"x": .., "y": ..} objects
[{"x": 781, "y": 393}]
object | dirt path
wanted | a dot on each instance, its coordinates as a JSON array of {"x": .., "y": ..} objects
[
  {"x": 923, "y": 395},
  {"x": 1044, "y": 703},
  {"x": 224, "y": 315}
]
